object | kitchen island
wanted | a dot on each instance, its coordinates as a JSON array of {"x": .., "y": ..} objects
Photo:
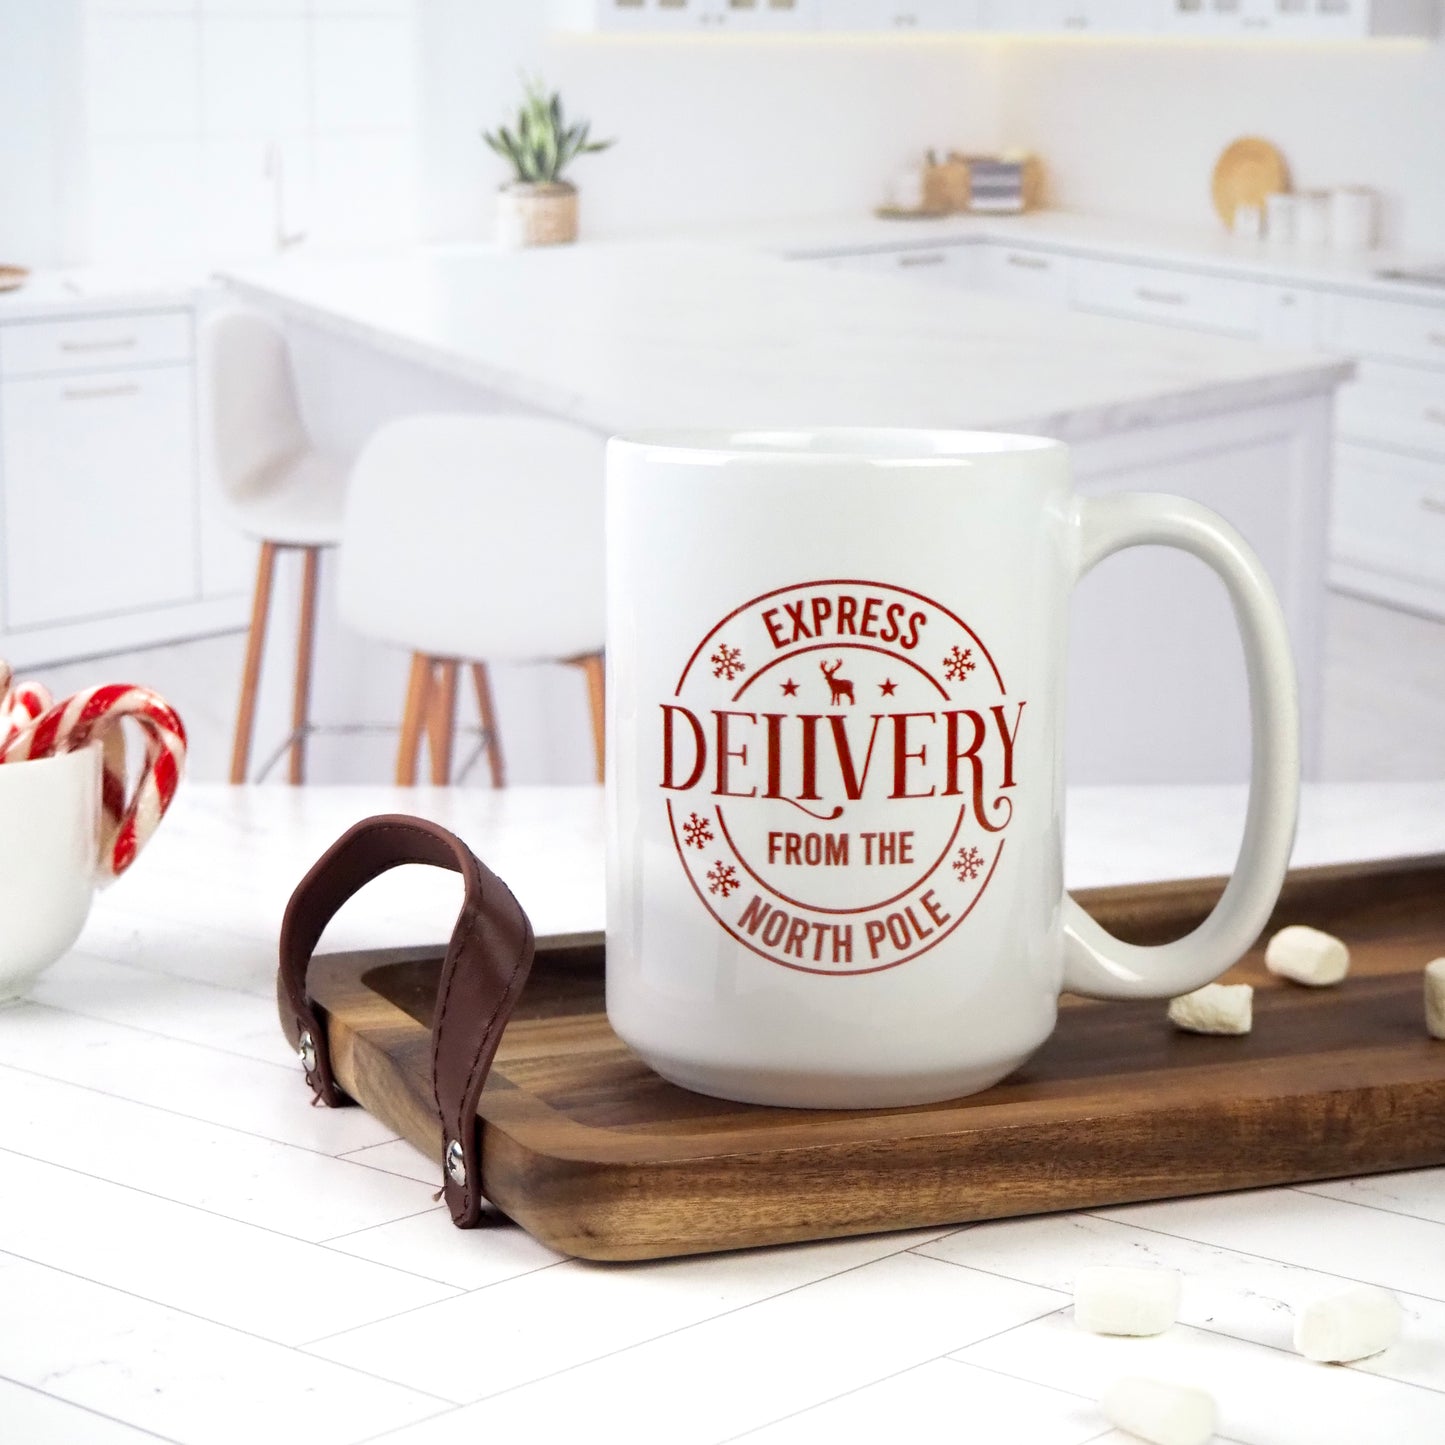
[
  {"x": 625, "y": 336},
  {"x": 193, "y": 1254}
]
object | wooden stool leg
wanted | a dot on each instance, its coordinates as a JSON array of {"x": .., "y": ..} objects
[
  {"x": 418, "y": 689},
  {"x": 492, "y": 741},
  {"x": 595, "y": 672},
  {"x": 305, "y": 650},
  {"x": 251, "y": 672},
  {"x": 442, "y": 721}
]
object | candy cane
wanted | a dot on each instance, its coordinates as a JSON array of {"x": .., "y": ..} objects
[
  {"x": 96, "y": 714},
  {"x": 20, "y": 706}
]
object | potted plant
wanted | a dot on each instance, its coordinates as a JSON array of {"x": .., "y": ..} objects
[{"x": 538, "y": 207}]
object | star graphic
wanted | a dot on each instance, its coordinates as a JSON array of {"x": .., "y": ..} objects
[
  {"x": 790, "y": 688},
  {"x": 886, "y": 687}
]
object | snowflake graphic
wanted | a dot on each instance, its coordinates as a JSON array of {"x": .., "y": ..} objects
[
  {"x": 722, "y": 878},
  {"x": 696, "y": 833},
  {"x": 967, "y": 863},
  {"x": 727, "y": 662},
  {"x": 958, "y": 664}
]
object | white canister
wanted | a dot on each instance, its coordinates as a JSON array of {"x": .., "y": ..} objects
[
  {"x": 1248, "y": 222},
  {"x": 1354, "y": 218},
  {"x": 1312, "y": 219},
  {"x": 1280, "y": 210},
  {"x": 908, "y": 188}
]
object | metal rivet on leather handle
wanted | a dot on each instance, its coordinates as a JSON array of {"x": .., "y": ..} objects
[
  {"x": 306, "y": 1047},
  {"x": 456, "y": 1164}
]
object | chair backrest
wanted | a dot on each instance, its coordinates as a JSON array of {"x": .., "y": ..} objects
[
  {"x": 476, "y": 536},
  {"x": 251, "y": 398}
]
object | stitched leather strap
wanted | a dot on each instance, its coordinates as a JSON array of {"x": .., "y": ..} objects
[{"x": 486, "y": 964}]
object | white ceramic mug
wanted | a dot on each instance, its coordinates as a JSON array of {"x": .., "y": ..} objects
[
  {"x": 49, "y": 837},
  {"x": 835, "y": 780}
]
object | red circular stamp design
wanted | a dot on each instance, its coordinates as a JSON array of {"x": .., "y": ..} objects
[{"x": 838, "y": 768}]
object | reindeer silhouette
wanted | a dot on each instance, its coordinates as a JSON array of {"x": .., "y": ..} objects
[{"x": 842, "y": 688}]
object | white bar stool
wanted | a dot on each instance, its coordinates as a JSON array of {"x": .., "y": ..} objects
[
  {"x": 474, "y": 539},
  {"x": 278, "y": 489}
]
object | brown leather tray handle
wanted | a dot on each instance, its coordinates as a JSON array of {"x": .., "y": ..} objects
[{"x": 486, "y": 965}]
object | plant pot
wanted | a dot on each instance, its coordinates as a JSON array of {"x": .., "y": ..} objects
[{"x": 543, "y": 214}]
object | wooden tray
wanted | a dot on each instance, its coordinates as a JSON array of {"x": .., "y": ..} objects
[{"x": 598, "y": 1157}]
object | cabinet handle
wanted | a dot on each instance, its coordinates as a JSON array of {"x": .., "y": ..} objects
[
  {"x": 1160, "y": 298},
  {"x": 931, "y": 258},
  {"x": 94, "y": 393},
  {"x": 1432, "y": 504},
  {"x": 117, "y": 343},
  {"x": 1076, "y": 22},
  {"x": 1029, "y": 263}
]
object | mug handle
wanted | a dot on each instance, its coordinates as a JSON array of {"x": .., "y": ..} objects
[{"x": 1096, "y": 963}]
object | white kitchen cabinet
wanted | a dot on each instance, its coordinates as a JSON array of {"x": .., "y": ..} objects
[
  {"x": 1072, "y": 17},
  {"x": 1390, "y": 330},
  {"x": 1395, "y": 406},
  {"x": 1389, "y": 515},
  {"x": 939, "y": 265},
  {"x": 1172, "y": 297},
  {"x": 99, "y": 494},
  {"x": 902, "y": 16},
  {"x": 1031, "y": 275},
  {"x": 766, "y": 16},
  {"x": 685, "y": 16},
  {"x": 1299, "y": 19},
  {"x": 41, "y": 348},
  {"x": 103, "y": 526},
  {"x": 1289, "y": 316},
  {"x": 641, "y": 16},
  {"x": 1217, "y": 19}
]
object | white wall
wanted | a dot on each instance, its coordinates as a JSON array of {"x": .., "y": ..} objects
[
  {"x": 147, "y": 130},
  {"x": 39, "y": 94},
  {"x": 710, "y": 129},
  {"x": 1133, "y": 130}
]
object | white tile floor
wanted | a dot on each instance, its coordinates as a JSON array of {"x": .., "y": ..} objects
[{"x": 189, "y": 1253}]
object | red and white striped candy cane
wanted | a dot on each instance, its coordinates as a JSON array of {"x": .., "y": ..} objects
[
  {"x": 96, "y": 714},
  {"x": 20, "y": 706}
]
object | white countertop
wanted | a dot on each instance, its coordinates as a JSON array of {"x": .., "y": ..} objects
[
  {"x": 1206, "y": 247},
  {"x": 627, "y": 335},
  {"x": 235, "y": 1266},
  {"x": 56, "y": 294}
]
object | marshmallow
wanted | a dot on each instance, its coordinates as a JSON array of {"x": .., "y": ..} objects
[
  {"x": 1120, "y": 1300},
  {"x": 1348, "y": 1324},
  {"x": 1155, "y": 1410},
  {"x": 1435, "y": 997},
  {"x": 1217, "y": 1008},
  {"x": 1307, "y": 956}
]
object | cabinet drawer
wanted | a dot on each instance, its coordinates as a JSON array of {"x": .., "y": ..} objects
[
  {"x": 1177, "y": 298},
  {"x": 1398, "y": 405},
  {"x": 1031, "y": 275},
  {"x": 1289, "y": 316},
  {"x": 99, "y": 494},
  {"x": 1389, "y": 513},
  {"x": 47, "y": 348},
  {"x": 942, "y": 265},
  {"x": 1394, "y": 330}
]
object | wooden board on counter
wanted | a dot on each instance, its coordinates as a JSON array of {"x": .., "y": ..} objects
[{"x": 597, "y": 1156}]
